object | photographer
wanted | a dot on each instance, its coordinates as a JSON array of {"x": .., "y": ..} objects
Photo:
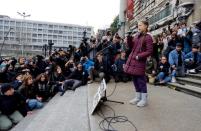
[
  {"x": 117, "y": 68},
  {"x": 92, "y": 50},
  {"x": 88, "y": 66},
  {"x": 102, "y": 69}
]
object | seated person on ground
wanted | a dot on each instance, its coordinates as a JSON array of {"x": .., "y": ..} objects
[
  {"x": 77, "y": 78},
  {"x": 176, "y": 61},
  {"x": 43, "y": 89},
  {"x": 12, "y": 106},
  {"x": 193, "y": 60},
  {"x": 101, "y": 68},
  {"x": 29, "y": 91},
  {"x": 151, "y": 68},
  {"x": 163, "y": 72}
]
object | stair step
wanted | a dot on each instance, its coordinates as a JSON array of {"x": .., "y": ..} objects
[
  {"x": 194, "y": 76},
  {"x": 189, "y": 81},
  {"x": 189, "y": 89},
  {"x": 63, "y": 113}
]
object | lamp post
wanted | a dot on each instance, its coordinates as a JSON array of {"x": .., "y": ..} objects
[
  {"x": 5, "y": 38},
  {"x": 24, "y": 16},
  {"x": 50, "y": 43},
  {"x": 45, "y": 49}
]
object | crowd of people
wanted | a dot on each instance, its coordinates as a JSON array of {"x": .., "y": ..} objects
[
  {"x": 176, "y": 52},
  {"x": 27, "y": 82}
]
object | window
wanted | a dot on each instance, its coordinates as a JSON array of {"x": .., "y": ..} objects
[
  {"x": 50, "y": 31},
  {"x": 12, "y": 34},
  {"x": 39, "y": 40},
  {"x": 1, "y": 27},
  {"x": 34, "y": 35},
  {"x": 6, "y": 22},
  {"x": 40, "y": 30},
  {"x": 12, "y": 23},
  {"x": 29, "y": 29},
  {"x": 60, "y": 37},
  {"x": 40, "y": 35},
  {"x": 12, "y": 38},
  {"x": 65, "y": 37},
  {"x": 1, "y": 21},
  {"x": 54, "y": 41},
  {"x": 55, "y": 26},
  {"x": 40, "y": 25},
  {"x": 70, "y": 37},
  {"x": 24, "y": 24},
  {"x": 56, "y": 31},
  {"x": 50, "y": 37},
  {"x": 55, "y": 36},
  {"x": 88, "y": 29},
  {"x": 60, "y": 32},
  {"x": 18, "y": 24},
  {"x": 50, "y": 26},
  {"x": 29, "y": 24},
  {"x": 34, "y": 40},
  {"x": 35, "y": 30},
  {"x": 45, "y": 31},
  {"x": 45, "y": 36},
  {"x": 6, "y": 28},
  {"x": 35, "y": 25},
  {"x": 44, "y": 40},
  {"x": 61, "y": 27}
]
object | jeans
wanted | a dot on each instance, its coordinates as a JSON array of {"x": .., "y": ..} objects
[
  {"x": 161, "y": 77},
  {"x": 34, "y": 104}
]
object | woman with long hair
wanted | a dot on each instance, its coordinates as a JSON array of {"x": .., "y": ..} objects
[
  {"x": 142, "y": 47},
  {"x": 41, "y": 83},
  {"x": 29, "y": 91}
]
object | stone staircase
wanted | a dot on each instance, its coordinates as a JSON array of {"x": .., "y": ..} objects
[
  {"x": 62, "y": 113},
  {"x": 191, "y": 84}
]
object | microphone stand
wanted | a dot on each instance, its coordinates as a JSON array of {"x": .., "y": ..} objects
[{"x": 104, "y": 98}]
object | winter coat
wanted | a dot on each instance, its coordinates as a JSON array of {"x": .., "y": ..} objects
[
  {"x": 9, "y": 104},
  {"x": 142, "y": 46}
]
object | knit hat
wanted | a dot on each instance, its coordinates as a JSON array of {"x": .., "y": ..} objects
[{"x": 5, "y": 87}]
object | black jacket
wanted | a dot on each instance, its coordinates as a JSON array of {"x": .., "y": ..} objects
[{"x": 9, "y": 104}]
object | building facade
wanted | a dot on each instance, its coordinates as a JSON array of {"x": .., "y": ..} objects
[
  {"x": 161, "y": 13},
  {"x": 27, "y": 37}
]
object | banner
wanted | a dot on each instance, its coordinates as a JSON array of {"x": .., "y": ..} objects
[{"x": 130, "y": 9}]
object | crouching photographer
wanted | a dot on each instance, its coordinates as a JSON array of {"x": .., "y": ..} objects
[{"x": 117, "y": 68}]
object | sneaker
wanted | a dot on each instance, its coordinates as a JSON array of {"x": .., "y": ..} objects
[
  {"x": 192, "y": 71},
  {"x": 173, "y": 80},
  {"x": 89, "y": 82}
]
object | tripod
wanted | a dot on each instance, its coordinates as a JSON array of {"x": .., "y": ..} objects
[{"x": 105, "y": 99}]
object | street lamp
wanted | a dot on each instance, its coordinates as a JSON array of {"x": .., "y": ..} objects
[
  {"x": 24, "y": 16},
  {"x": 50, "y": 43},
  {"x": 5, "y": 38}
]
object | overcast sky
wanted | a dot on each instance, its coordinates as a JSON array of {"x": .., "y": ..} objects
[{"x": 96, "y": 13}]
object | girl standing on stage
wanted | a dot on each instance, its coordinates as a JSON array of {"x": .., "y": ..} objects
[{"x": 142, "y": 47}]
